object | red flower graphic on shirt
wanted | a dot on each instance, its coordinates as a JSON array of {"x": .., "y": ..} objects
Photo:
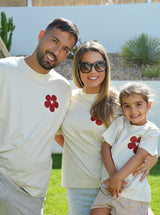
[
  {"x": 98, "y": 122},
  {"x": 51, "y": 102},
  {"x": 134, "y": 143}
]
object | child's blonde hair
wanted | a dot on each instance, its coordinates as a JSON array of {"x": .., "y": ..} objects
[{"x": 132, "y": 88}]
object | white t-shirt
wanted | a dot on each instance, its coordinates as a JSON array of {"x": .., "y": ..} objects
[
  {"x": 124, "y": 139},
  {"x": 81, "y": 162},
  {"x": 32, "y": 108}
]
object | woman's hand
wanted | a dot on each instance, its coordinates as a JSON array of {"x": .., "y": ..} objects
[
  {"x": 144, "y": 168},
  {"x": 59, "y": 139}
]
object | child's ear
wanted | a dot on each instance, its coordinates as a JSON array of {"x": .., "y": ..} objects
[{"x": 149, "y": 105}]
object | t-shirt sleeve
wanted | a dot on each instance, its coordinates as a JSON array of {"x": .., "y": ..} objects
[
  {"x": 149, "y": 141},
  {"x": 112, "y": 132}
]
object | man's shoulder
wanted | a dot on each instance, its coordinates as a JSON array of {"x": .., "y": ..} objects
[
  {"x": 58, "y": 76},
  {"x": 75, "y": 92},
  {"x": 9, "y": 61},
  {"x": 61, "y": 81}
]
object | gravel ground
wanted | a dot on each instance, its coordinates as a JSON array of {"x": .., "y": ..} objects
[{"x": 118, "y": 70}]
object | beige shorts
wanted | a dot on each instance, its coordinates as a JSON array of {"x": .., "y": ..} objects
[{"x": 120, "y": 205}]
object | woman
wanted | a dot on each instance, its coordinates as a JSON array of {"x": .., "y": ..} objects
[{"x": 93, "y": 106}]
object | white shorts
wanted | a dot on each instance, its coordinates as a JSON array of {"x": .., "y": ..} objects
[{"x": 16, "y": 201}]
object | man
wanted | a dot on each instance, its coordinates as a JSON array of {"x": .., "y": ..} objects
[{"x": 34, "y": 100}]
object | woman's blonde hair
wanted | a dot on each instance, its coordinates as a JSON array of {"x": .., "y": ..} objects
[{"x": 103, "y": 106}]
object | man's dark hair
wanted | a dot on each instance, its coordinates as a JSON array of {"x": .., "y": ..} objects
[{"x": 64, "y": 25}]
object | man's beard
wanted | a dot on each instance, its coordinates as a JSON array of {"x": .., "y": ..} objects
[{"x": 45, "y": 64}]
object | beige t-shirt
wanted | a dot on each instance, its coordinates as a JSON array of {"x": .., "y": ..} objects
[
  {"x": 32, "y": 108},
  {"x": 125, "y": 139},
  {"x": 81, "y": 162}
]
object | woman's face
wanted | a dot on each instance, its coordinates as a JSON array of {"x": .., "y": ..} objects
[{"x": 92, "y": 80}]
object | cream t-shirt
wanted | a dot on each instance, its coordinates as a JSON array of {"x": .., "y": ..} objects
[
  {"x": 32, "y": 108},
  {"x": 124, "y": 139},
  {"x": 81, "y": 162}
]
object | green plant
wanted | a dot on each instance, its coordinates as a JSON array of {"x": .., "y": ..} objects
[
  {"x": 142, "y": 50},
  {"x": 74, "y": 49},
  {"x": 3, "y": 50},
  {"x": 6, "y": 30},
  {"x": 150, "y": 71}
]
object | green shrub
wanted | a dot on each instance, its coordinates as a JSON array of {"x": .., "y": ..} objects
[
  {"x": 142, "y": 50},
  {"x": 74, "y": 49},
  {"x": 6, "y": 30},
  {"x": 150, "y": 71}
]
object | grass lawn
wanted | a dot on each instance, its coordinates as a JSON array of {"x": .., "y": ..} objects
[
  {"x": 56, "y": 201},
  {"x": 154, "y": 181}
]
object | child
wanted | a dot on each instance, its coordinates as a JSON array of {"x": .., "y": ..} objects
[{"x": 128, "y": 140}]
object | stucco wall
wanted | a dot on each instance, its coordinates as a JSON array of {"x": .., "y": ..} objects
[{"x": 110, "y": 25}]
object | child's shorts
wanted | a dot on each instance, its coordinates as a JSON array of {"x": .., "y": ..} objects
[{"x": 120, "y": 205}]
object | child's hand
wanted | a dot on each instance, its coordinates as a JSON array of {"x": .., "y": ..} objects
[
  {"x": 114, "y": 185},
  {"x": 123, "y": 184}
]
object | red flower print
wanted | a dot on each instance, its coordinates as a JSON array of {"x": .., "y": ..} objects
[
  {"x": 132, "y": 144},
  {"x": 51, "y": 102},
  {"x": 98, "y": 122}
]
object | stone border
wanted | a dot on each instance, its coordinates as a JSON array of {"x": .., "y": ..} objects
[{"x": 118, "y": 70}]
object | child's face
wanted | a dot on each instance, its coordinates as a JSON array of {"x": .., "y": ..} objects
[{"x": 135, "y": 109}]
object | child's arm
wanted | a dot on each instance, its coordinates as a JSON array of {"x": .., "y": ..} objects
[
  {"x": 114, "y": 182},
  {"x": 109, "y": 164},
  {"x": 107, "y": 158}
]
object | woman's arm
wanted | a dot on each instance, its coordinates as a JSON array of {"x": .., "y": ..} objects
[
  {"x": 146, "y": 166},
  {"x": 59, "y": 139}
]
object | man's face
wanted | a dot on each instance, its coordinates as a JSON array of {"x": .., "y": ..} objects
[{"x": 54, "y": 47}]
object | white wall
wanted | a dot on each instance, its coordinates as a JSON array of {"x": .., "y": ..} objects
[
  {"x": 111, "y": 25},
  {"x": 153, "y": 114}
]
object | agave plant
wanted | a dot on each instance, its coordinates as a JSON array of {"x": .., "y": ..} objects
[{"x": 143, "y": 50}]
